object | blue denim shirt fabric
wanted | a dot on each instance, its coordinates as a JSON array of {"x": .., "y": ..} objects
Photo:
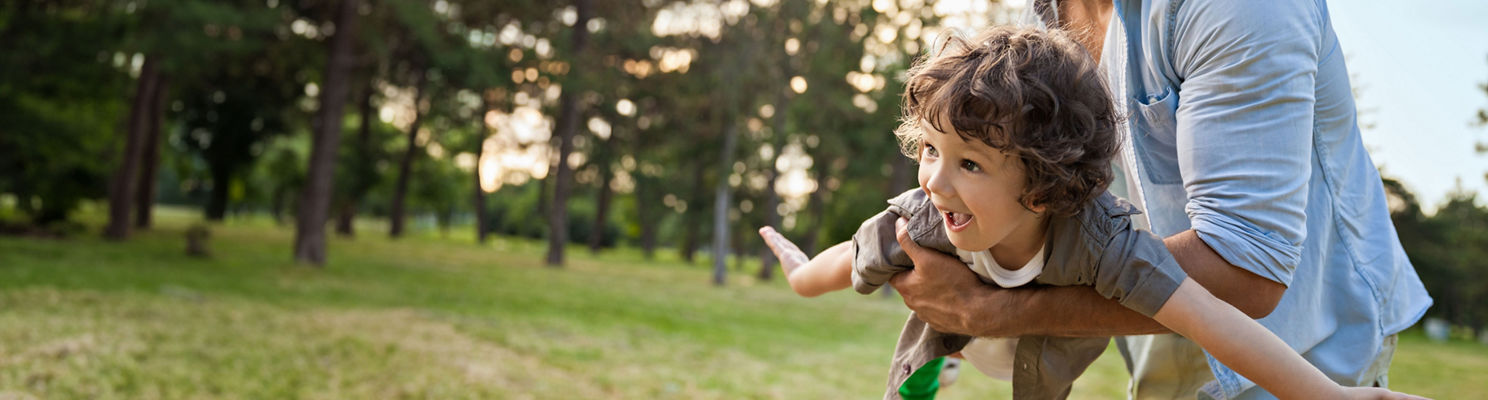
[{"x": 1243, "y": 124}]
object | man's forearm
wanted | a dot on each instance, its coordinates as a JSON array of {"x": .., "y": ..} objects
[
  {"x": 1060, "y": 311},
  {"x": 1250, "y": 293},
  {"x": 949, "y": 297},
  {"x": 1080, "y": 311}
]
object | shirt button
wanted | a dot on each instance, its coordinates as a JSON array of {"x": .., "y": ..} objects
[
  {"x": 907, "y": 370},
  {"x": 1025, "y": 366}
]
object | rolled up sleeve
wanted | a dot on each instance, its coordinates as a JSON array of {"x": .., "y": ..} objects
[
  {"x": 877, "y": 254},
  {"x": 1137, "y": 271},
  {"x": 1245, "y": 127}
]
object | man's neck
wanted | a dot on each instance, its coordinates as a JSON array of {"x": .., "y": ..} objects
[{"x": 1087, "y": 20}]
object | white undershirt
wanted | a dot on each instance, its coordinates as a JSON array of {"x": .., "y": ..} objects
[
  {"x": 982, "y": 263},
  {"x": 994, "y": 356}
]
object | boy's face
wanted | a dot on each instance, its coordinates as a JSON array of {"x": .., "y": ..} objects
[{"x": 976, "y": 187}]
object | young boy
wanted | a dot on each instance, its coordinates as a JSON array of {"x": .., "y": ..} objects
[{"x": 1014, "y": 133}]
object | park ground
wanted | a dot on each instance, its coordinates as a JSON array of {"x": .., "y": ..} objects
[{"x": 442, "y": 317}]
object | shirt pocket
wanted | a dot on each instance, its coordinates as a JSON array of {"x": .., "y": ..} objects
[{"x": 1155, "y": 136}]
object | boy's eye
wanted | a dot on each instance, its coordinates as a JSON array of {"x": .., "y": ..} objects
[
  {"x": 931, "y": 151},
  {"x": 971, "y": 166}
]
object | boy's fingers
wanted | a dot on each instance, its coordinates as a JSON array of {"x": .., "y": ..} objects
[
  {"x": 765, "y": 233},
  {"x": 790, "y": 256},
  {"x": 772, "y": 238},
  {"x": 782, "y": 247}
]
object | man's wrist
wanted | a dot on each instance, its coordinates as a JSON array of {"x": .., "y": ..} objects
[{"x": 1003, "y": 321}]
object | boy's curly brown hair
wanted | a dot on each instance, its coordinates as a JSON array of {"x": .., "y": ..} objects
[{"x": 1035, "y": 94}]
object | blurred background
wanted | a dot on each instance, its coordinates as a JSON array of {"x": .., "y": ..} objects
[{"x": 550, "y": 199}]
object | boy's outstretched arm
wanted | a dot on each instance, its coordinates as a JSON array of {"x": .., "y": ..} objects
[
  {"x": 1247, "y": 347},
  {"x": 829, "y": 271}
]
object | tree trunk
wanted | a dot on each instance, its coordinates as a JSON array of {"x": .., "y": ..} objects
[
  {"x": 542, "y": 193},
  {"x": 315, "y": 202},
  {"x": 481, "y": 231},
  {"x": 721, "y": 206},
  {"x": 122, "y": 188},
  {"x": 216, "y": 208},
  {"x": 480, "y": 194},
  {"x": 690, "y": 217},
  {"x": 144, "y": 211},
  {"x": 602, "y": 208},
  {"x": 346, "y": 218},
  {"x": 568, "y": 125},
  {"x": 558, "y": 209},
  {"x": 405, "y": 166},
  {"x": 644, "y": 200},
  {"x": 648, "y": 223}
]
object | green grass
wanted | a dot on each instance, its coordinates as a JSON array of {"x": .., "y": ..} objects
[{"x": 430, "y": 317}]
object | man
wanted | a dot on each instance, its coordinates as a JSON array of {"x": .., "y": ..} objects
[{"x": 1242, "y": 148}]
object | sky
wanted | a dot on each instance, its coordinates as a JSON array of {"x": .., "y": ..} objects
[{"x": 1419, "y": 66}]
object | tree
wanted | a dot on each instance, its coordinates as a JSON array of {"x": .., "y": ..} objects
[
  {"x": 315, "y": 202},
  {"x": 405, "y": 163},
  {"x": 150, "y": 160},
  {"x": 60, "y": 104},
  {"x": 123, "y": 185},
  {"x": 1481, "y": 120},
  {"x": 359, "y": 173},
  {"x": 229, "y": 113},
  {"x": 229, "y": 29},
  {"x": 478, "y": 144},
  {"x": 568, "y": 121}
]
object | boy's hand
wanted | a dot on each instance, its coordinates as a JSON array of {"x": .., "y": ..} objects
[{"x": 790, "y": 256}]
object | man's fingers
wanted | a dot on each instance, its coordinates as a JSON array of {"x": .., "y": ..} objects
[{"x": 901, "y": 232}]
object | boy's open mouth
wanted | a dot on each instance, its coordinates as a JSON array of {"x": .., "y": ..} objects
[{"x": 957, "y": 221}]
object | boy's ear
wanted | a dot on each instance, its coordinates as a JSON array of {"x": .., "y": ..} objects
[{"x": 1035, "y": 208}]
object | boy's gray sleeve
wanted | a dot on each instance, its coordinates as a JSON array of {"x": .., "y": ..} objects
[
  {"x": 1137, "y": 271},
  {"x": 877, "y": 255}
]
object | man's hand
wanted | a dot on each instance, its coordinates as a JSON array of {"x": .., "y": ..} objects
[
  {"x": 790, "y": 256},
  {"x": 940, "y": 289}
]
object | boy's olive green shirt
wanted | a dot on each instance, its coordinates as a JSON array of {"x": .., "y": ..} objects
[{"x": 1097, "y": 247}]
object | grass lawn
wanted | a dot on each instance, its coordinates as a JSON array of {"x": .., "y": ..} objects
[{"x": 427, "y": 317}]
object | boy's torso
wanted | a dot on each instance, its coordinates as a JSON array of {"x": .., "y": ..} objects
[{"x": 1043, "y": 367}]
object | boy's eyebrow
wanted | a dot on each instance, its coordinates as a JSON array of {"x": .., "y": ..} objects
[{"x": 980, "y": 152}]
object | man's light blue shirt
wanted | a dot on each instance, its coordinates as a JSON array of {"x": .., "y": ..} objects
[{"x": 1242, "y": 127}]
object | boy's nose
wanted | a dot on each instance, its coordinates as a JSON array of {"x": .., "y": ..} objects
[{"x": 939, "y": 184}]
